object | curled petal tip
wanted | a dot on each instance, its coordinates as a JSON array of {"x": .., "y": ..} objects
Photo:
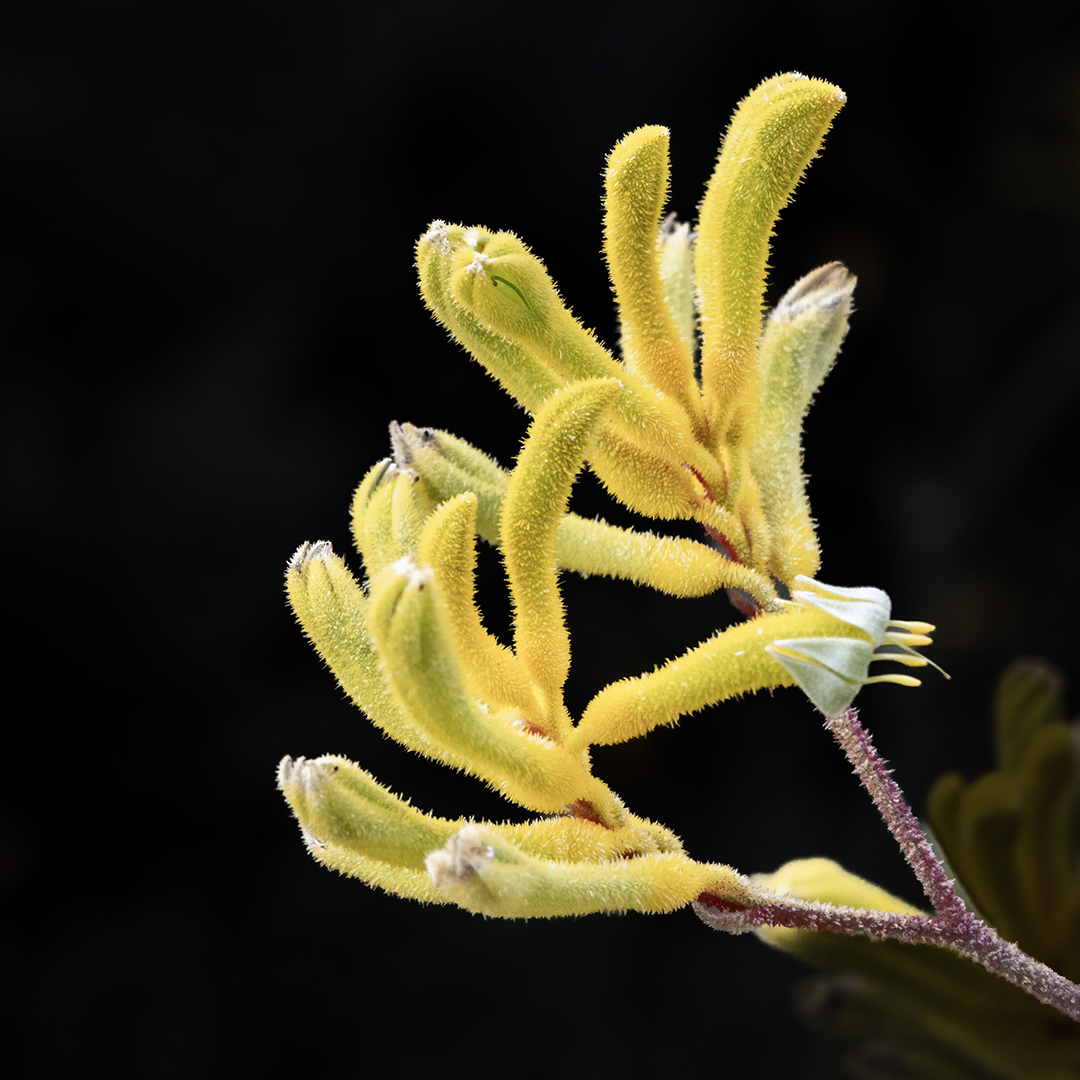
[
  {"x": 306, "y": 552},
  {"x": 305, "y": 773},
  {"x": 864, "y": 607},
  {"x": 286, "y": 770},
  {"x": 825, "y": 288},
  {"x": 399, "y": 446}
]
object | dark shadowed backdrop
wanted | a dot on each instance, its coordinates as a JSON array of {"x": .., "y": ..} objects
[{"x": 209, "y": 317}]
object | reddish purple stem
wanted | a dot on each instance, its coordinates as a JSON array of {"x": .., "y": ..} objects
[
  {"x": 870, "y": 768},
  {"x": 953, "y": 927}
]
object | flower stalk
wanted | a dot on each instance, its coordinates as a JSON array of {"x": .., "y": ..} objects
[{"x": 952, "y": 926}]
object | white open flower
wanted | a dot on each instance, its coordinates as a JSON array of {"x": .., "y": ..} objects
[{"x": 832, "y": 670}]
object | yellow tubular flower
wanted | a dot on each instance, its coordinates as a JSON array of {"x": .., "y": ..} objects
[
  {"x": 775, "y": 133},
  {"x": 635, "y": 191}
]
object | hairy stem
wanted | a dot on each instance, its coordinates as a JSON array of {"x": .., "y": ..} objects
[
  {"x": 870, "y": 768},
  {"x": 953, "y": 927}
]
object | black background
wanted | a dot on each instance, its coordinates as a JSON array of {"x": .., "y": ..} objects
[{"x": 209, "y": 315}]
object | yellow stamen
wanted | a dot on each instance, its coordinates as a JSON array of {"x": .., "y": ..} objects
[
  {"x": 907, "y": 639},
  {"x": 913, "y": 627},
  {"x": 900, "y": 680}
]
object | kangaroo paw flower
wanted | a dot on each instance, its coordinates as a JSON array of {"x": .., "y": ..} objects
[{"x": 677, "y": 425}]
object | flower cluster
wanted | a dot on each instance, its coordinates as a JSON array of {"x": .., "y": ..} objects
[{"x": 711, "y": 436}]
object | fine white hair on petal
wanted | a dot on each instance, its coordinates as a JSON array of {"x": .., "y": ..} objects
[
  {"x": 416, "y": 575},
  {"x": 436, "y": 237},
  {"x": 310, "y": 839},
  {"x": 463, "y": 855},
  {"x": 479, "y": 264},
  {"x": 286, "y": 769}
]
